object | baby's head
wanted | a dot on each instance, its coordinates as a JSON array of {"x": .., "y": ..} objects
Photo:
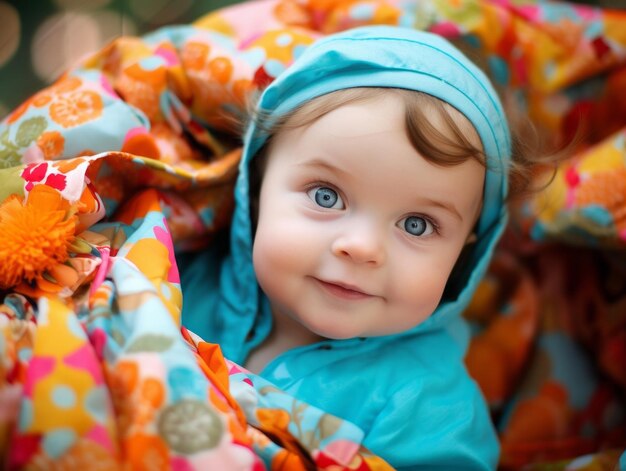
[
  {"x": 368, "y": 196},
  {"x": 381, "y": 154}
]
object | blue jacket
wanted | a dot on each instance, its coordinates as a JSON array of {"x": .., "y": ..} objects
[{"x": 409, "y": 392}]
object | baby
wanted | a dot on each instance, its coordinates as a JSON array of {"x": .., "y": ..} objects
[{"x": 371, "y": 194}]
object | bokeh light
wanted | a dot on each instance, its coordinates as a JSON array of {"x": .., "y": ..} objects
[
  {"x": 159, "y": 11},
  {"x": 81, "y": 4},
  {"x": 10, "y": 33}
]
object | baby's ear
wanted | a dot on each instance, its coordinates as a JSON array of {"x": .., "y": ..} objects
[{"x": 471, "y": 238}]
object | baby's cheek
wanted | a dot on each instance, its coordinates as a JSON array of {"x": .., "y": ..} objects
[
  {"x": 265, "y": 265},
  {"x": 278, "y": 242},
  {"x": 420, "y": 292},
  {"x": 275, "y": 252}
]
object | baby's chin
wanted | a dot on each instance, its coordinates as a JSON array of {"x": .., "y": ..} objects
[
  {"x": 335, "y": 332},
  {"x": 349, "y": 332}
]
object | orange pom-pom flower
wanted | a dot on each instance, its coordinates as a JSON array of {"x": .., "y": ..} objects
[{"x": 35, "y": 236}]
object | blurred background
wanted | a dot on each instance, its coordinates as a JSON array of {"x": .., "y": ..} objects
[{"x": 39, "y": 39}]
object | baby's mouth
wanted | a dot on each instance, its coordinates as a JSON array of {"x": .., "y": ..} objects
[{"x": 343, "y": 290}]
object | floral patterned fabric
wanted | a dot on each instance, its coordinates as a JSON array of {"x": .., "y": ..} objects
[
  {"x": 126, "y": 162},
  {"x": 95, "y": 367}
]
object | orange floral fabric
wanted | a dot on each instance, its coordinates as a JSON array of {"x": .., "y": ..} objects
[{"x": 130, "y": 158}]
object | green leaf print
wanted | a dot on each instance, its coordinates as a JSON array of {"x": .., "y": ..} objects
[
  {"x": 30, "y": 130},
  {"x": 9, "y": 158},
  {"x": 190, "y": 426},
  {"x": 265, "y": 390},
  {"x": 328, "y": 425},
  {"x": 10, "y": 181},
  {"x": 309, "y": 440},
  {"x": 4, "y": 138},
  {"x": 150, "y": 343}
]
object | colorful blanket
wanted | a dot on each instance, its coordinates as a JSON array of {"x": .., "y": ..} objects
[{"x": 126, "y": 164}]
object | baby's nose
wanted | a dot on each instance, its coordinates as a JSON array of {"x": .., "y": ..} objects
[{"x": 363, "y": 245}]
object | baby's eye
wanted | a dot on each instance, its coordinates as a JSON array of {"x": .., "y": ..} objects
[
  {"x": 325, "y": 197},
  {"x": 418, "y": 226}
]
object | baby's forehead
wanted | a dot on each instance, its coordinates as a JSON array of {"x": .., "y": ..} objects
[{"x": 431, "y": 124}]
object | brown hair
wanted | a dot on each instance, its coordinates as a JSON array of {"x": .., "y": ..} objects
[{"x": 433, "y": 128}]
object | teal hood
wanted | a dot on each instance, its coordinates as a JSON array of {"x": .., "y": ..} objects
[{"x": 232, "y": 310}]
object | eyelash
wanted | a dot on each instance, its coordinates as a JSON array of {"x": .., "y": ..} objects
[{"x": 317, "y": 183}]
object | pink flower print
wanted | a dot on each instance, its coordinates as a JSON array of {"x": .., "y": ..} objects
[
  {"x": 57, "y": 181},
  {"x": 34, "y": 174},
  {"x": 163, "y": 236},
  {"x": 168, "y": 54}
]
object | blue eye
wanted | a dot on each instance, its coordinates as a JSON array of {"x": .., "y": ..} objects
[
  {"x": 325, "y": 197},
  {"x": 418, "y": 226}
]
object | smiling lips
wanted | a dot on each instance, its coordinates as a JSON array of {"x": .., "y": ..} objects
[{"x": 343, "y": 291}]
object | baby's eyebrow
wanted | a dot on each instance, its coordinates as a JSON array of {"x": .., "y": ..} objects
[
  {"x": 445, "y": 205},
  {"x": 320, "y": 164}
]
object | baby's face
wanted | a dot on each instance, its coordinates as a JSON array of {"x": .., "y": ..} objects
[{"x": 357, "y": 233}]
